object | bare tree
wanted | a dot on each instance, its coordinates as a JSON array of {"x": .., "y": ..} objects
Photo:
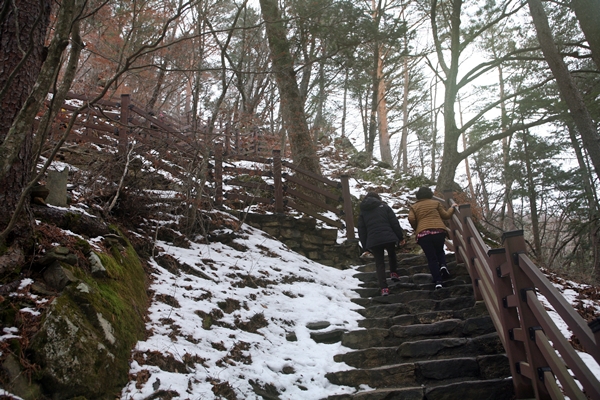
[{"x": 294, "y": 118}]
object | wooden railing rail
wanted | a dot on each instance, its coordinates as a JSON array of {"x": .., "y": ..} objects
[
  {"x": 283, "y": 194},
  {"x": 543, "y": 363}
]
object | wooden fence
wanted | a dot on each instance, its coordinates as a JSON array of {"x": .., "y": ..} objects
[
  {"x": 110, "y": 122},
  {"x": 543, "y": 363},
  {"x": 292, "y": 186}
]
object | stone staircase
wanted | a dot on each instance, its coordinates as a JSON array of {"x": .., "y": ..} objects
[{"x": 423, "y": 344}]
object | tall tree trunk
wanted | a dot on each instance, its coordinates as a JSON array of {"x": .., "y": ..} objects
[
  {"x": 569, "y": 92},
  {"x": 434, "y": 122},
  {"x": 450, "y": 158},
  {"x": 508, "y": 213},
  {"x": 319, "y": 125},
  {"x": 592, "y": 200},
  {"x": 372, "y": 130},
  {"x": 384, "y": 134},
  {"x": 467, "y": 168},
  {"x": 344, "y": 104},
  {"x": 160, "y": 79},
  {"x": 404, "y": 138},
  {"x": 531, "y": 193},
  {"x": 588, "y": 14},
  {"x": 22, "y": 33},
  {"x": 303, "y": 151}
]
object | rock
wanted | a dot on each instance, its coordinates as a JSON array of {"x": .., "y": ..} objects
[
  {"x": 39, "y": 191},
  {"x": 58, "y": 277},
  {"x": 84, "y": 341},
  {"x": 96, "y": 266},
  {"x": 11, "y": 259},
  {"x": 328, "y": 337},
  {"x": 501, "y": 389},
  {"x": 19, "y": 384},
  {"x": 57, "y": 187},
  {"x": 315, "y": 326},
  {"x": 60, "y": 254},
  {"x": 76, "y": 222}
]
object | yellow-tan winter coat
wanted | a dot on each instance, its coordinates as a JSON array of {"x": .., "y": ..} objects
[{"x": 428, "y": 214}]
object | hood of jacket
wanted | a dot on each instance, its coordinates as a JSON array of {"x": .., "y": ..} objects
[{"x": 369, "y": 203}]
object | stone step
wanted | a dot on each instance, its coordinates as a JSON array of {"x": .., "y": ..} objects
[
  {"x": 422, "y": 350},
  {"x": 406, "y": 273},
  {"x": 372, "y": 291},
  {"x": 440, "y": 349},
  {"x": 405, "y": 296},
  {"x": 417, "y": 307},
  {"x": 447, "y": 347},
  {"x": 426, "y": 373},
  {"x": 398, "y": 334},
  {"x": 491, "y": 389},
  {"x": 420, "y": 343},
  {"x": 410, "y": 268},
  {"x": 429, "y": 317}
]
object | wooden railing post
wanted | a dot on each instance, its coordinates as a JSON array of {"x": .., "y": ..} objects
[
  {"x": 348, "y": 211},
  {"x": 468, "y": 252},
  {"x": 219, "y": 175},
  {"x": 227, "y": 138},
  {"x": 514, "y": 244},
  {"x": 509, "y": 319},
  {"x": 277, "y": 181},
  {"x": 124, "y": 123}
]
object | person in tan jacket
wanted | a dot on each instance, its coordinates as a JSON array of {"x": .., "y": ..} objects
[{"x": 427, "y": 217}]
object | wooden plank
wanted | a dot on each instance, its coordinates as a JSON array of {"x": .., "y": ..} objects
[
  {"x": 312, "y": 187},
  {"x": 102, "y": 102},
  {"x": 90, "y": 139},
  {"x": 337, "y": 224},
  {"x": 247, "y": 171},
  {"x": 252, "y": 185},
  {"x": 250, "y": 199},
  {"x": 257, "y": 159},
  {"x": 155, "y": 120},
  {"x": 312, "y": 200},
  {"x": 320, "y": 178},
  {"x": 111, "y": 116}
]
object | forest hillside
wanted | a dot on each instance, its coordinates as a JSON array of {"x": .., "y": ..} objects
[
  {"x": 127, "y": 125},
  {"x": 225, "y": 311}
]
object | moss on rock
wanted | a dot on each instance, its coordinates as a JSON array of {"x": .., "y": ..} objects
[{"x": 85, "y": 340}]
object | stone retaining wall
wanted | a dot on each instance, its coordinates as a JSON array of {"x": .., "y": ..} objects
[{"x": 304, "y": 237}]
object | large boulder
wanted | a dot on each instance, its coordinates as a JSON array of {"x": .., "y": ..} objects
[{"x": 86, "y": 336}]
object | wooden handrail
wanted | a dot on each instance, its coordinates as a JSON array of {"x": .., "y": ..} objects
[{"x": 543, "y": 363}]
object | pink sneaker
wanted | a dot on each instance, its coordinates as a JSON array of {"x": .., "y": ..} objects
[
  {"x": 394, "y": 276},
  {"x": 385, "y": 291}
]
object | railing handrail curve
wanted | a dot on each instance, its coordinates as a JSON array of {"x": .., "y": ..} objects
[{"x": 543, "y": 363}]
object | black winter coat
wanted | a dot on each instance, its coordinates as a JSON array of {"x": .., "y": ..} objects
[{"x": 377, "y": 224}]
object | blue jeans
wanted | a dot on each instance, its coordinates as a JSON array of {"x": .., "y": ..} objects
[
  {"x": 433, "y": 247},
  {"x": 380, "y": 261}
]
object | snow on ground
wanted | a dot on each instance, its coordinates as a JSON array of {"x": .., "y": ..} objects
[
  {"x": 571, "y": 290},
  {"x": 266, "y": 280},
  {"x": 239, "y": 318}
]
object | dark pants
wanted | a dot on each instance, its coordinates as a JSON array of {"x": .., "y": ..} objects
[
  {"x": 433, "y": 247},
  {"x": 380, "y": 261}
]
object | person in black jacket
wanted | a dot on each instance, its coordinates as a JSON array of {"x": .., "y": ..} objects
[{"x": 379, "y": 230}]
